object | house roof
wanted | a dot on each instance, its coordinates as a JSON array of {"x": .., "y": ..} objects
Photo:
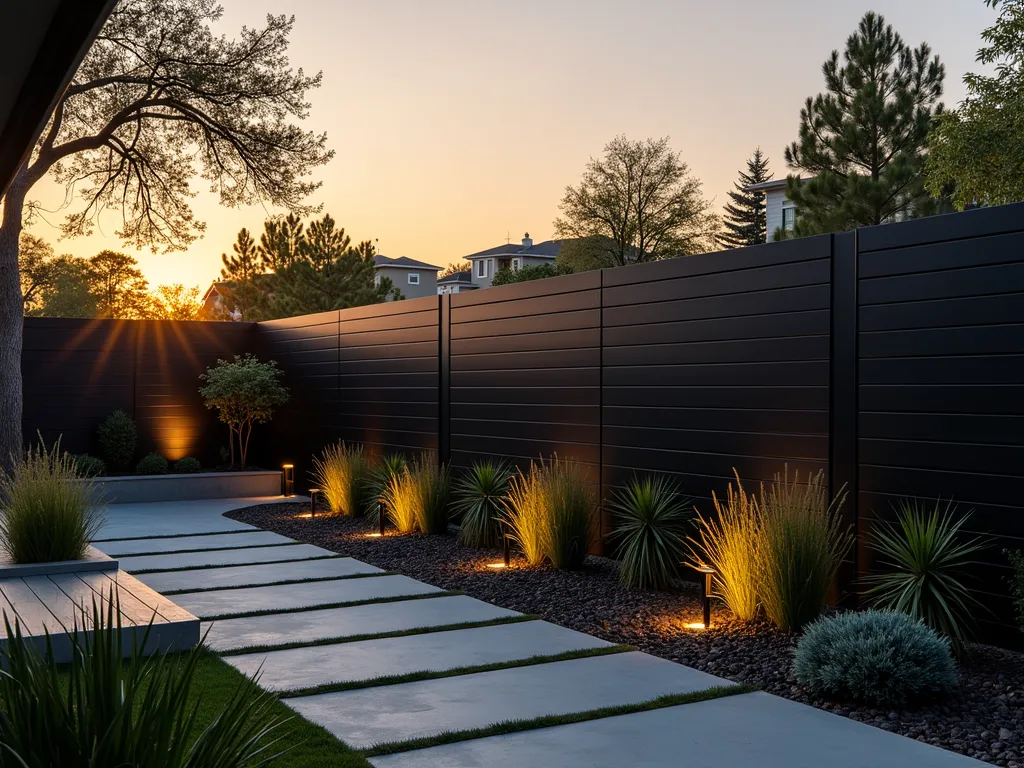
[
  {"x": 456, "y": 278},
  {"x": 403, "y": 262},
  {"x": 547, "y": 249},
  {"x": 764, "y": 186}
]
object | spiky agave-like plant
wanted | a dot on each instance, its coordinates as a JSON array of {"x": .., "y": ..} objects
[
  {"x": 649, "y": 525},
  {"x": 478, "y": 503}
]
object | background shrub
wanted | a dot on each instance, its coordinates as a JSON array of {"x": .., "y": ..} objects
[
  {"x": 116, "y": 438},
  {"x": 727, "y": 542},
  {"x": 1017, "y": 584},
  {"x": 881, "y": 658},
  {"x": 649, "y": 520},
  {"x": 800, "y": 546},
  {"x": 478, "y": 503},
  {"x": 88, "y": 466},
  {"x": 923, "y": 557},
  {"x": 49, "y": 514},
  {"x": 103, "y": 709},
  {"x": 187, "y": 466},
  {"x": 152, "y": 464},
  {"x": 342, "y": 475}
]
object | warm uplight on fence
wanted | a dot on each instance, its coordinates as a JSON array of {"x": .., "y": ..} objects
[{"x": 289, "y": 479}]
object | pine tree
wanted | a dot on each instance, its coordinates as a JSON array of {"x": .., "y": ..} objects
[
  {"x": 744, "y": 221},
  {"x": 281, "y": 242},
  {"x": 863, "y": 141},
  {"x": 241, "y": 270}
]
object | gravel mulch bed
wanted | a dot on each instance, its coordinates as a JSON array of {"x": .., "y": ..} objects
[{"x": 985, "y": 719}]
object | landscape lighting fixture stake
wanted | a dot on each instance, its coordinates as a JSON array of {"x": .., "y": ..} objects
[
  {"x": 380, "y": 515},
  {"x": 705, "y": 593},
  {"x": 313, "y": 493},
  {"x": 289, "y": 479}
]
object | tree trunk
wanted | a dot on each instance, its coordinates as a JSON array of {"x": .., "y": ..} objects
[{"x": 11, "y": 310}]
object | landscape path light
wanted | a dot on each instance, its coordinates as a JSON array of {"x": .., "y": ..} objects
[{"x": 289, "y": 479}]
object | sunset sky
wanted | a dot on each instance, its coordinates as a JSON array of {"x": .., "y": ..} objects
[{"x": 457, "y": 123}]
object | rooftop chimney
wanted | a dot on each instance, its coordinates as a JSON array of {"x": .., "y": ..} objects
[{"x": 527, "y": 242}]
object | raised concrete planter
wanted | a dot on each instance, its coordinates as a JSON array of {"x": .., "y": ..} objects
[
  {"x": 134, "y": 489},
  {"x": 94, "y": 560}
]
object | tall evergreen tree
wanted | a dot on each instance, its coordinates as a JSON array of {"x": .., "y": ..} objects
[
  {"x": 281, "y": 242},
  {"x": 863, "y": 141},
  {"x": 241, "y": 270},
  {"x": 120, "y": 289},
  {"x": 745, "y": 216}
]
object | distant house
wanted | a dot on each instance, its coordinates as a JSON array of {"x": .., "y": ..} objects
[
  {"x": 414, "y": 279},
  {"x": 456, "y": 282},
  {"x": 216, "y": 303},
  {"x": 487, "y": 263},
  {"x": 780, "y": 211}
]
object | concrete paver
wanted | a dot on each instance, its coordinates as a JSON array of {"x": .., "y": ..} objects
[
  {"x": 266, "y": 573},
  {"x": 377, "y": 618},
  {"x": 298, "y": 668},
  {"x": 212, "y": 558},
  {"x": 121, "y": 547}
]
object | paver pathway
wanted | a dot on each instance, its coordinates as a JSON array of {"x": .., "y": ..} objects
[{"x": 381, "y": 658}]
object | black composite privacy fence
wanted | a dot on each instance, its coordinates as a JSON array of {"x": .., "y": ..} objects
[{"x": 890, "y": 358}]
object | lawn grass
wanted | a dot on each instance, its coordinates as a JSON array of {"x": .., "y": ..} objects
[
  {"x": 548, "y": 721},
  {"x": 377, "y": 635},
  {"x": 416, "y": 677},
  {"x": 281, "y": 583},
  {"x": 325, "y": 606},
  {"x": 308, "y": 745}
]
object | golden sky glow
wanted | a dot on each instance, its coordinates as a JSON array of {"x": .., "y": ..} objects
[{"x": 457, "y": 122}]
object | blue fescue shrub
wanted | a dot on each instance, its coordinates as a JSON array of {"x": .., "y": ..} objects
[{"x": 880, "y": 658}]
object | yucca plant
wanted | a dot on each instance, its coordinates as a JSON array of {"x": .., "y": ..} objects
[
  {"x": 47, "y": 512},
  {"x": 923, "y": 555},
  {"x": 728, "y": 543},
  {"x": 570, "y": 510},
  {"x": 525, "y": 513},
  {"x": 342, "y": 475},
  {"x": 390, "y": 466},
  {"x": 478, "y": 503},
  {"x": 649, "y": 520},
  {"x": 110, "y": 706},
  {"x": 801, "y": 545}
]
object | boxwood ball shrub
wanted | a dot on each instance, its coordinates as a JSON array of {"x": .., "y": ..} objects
[
  {"x": 116, "y": 438},
  {"x": 879, "y": 658},
  {"x": 187, "y": 466},
  {"x": 152, "y": 464},
  {"x": 88, "y": 466}
]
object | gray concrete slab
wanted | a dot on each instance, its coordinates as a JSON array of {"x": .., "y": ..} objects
[
  {"x": 118, "y": 547},
  {"x": 223, "y": 557},
  {"x": 172, "y": 518},
  {"x": 756, "y": 730},
  {"x": 228, "y": 634},
  {"x": 245, "y": 575},
  {"x": 370, "y": 716},
  {"x": 298, "y": 668},
  {"x": 307, "y": 595}
]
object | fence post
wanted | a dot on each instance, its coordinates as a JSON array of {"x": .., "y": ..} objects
[
  {"x": 444, "y": 349},
  {"x": 843, "y": 384}
]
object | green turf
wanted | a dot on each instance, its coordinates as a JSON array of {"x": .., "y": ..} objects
[
  {"x": 324, "y": 606},
  {"x": 415, "y": 677},
  {"x": 377, "y": 635},
  {"x": 169, "y": 592},
  {"x": 548, "y": 721},
  {"x": 308, "y": 745},
  {"x": 140, "y": 571}
]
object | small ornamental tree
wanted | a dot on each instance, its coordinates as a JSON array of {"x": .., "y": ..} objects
[{"x": 244, "y": 391}]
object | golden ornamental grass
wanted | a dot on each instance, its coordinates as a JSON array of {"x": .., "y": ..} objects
[
  {"x": 728, "y": 543},
  {"x": 342, "y": 474},
  {"x": 47, "y": 512}
]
